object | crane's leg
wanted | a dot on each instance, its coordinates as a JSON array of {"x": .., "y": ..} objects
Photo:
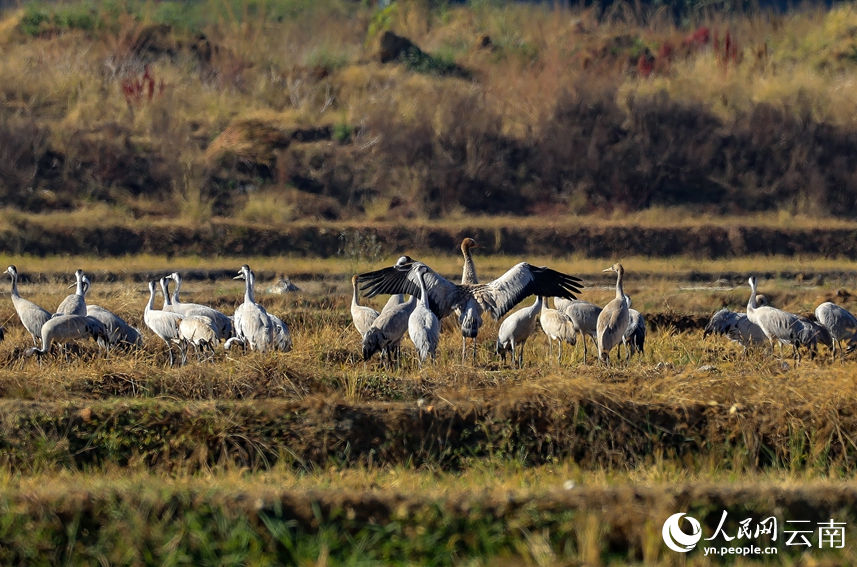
[
  {"x": 559, "y": 356},
  {"x": 583, "y": 340},
  {"x": 463, "y": 349}
]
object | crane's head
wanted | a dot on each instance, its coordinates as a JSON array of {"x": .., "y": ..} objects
[
  {"x": 243, "y": 273},
  {"x": 86, "y": 284},
  {"x": 404, "y": 261},
  {"x": 152, "y": 285},
  {"x": 175, "y": 277},
  {"x": 752, "y": 282},
  {"x": 617, "y": 268},
  {"x": 12, "y": 271},
  {"x": 468, "y": 243},
  {"x": 354, "y": 280}
]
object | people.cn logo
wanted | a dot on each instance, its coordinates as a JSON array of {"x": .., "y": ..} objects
[{"x": 676, "y": 539}]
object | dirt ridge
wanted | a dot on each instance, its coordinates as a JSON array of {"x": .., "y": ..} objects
[{"x": 225, "y": 238}]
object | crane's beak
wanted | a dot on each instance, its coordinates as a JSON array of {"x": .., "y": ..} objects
[
  {"x": 608, "y": 270},
  {"x": 239, "y": 277},
  {"x": 72, "y": 285}
]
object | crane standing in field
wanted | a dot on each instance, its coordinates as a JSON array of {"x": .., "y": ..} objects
[
  {"x": 162, "y": 323},
  {"x": 558, "y": 327},
  {"x": 31, "y": 315},
  {"x": 584, "y": 317},
  {"x": 423, "y": 325},
  {"x": 516, "y": 329},
  {"x": 74, "y": 304},
  {"x": 841, "y": 324},
  {"x": 362, "y": 316},
  {"x": 222, "y": 323},
  {"x": 253, "y": 326},
  {"x": 775, "y": 323},
  {"x": 496, "y": 297},
  {"x": 386, "y": 332},
  {"x": 470, "y": 320},
  {"x": 67, "y": 328},
  {"x": 613, "y": 319}
]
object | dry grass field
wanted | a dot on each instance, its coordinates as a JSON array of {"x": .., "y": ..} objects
[{"x": 317, "y": 457}]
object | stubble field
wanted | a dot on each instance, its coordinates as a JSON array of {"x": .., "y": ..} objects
[{"x": 317, "y": 457}]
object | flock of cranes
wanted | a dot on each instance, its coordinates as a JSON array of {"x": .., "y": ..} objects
[
  {"x": 176, "y": 323},
  {"x": 432, "y": 298}
]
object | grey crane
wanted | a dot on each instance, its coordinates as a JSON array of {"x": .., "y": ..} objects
[
  {"x": 199, "y": 331},
  {"x": 841, "y": 324},
  {"x": 162, "y": 323},
  {"x": 584, "y": 317},
  {"x": 737, "y": 327},
  {"x": 74, "y": 304},
  {"x": 362, "y": 316},
  {"x": 810, "y": 334},
  {"x": 469, "y": 317},
  {"x": 282, "y": 336},
  {"x": 423, "y": 325},
  {"x": 613, "y": 319},
  {"x": 516, "y": 329},
  {"x": 496, "y": 297},
  {"x": 253, "y": 326},
  {"x": 558, "y": 327},
  {"x": 386, "y": 332},
  {"x": 222, "y": 322},
  {"x": 118, "y": 331},
  {"x": 67, "y": 328},
  {"x": 634, "y": 338},
  {"x": 31, "y": 315},
  {"x": 775, "y": 323}
]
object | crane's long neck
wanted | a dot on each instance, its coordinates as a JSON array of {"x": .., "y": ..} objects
[
  {"x": 423, "y": 292},
  {"x": 468, "y": 275},
  {"x": 620, "y": 293},
  {"x": 176, "y": 291},
  {"x": 354, "y": 302},
  {"x": 248, "y": 288},
  {"x": 151, "y": 305},
  {"x": 15, "y": 285},
  {"x": 79, "y": 289},
  {"x": 165, "y": 287},
  {"x": 751, "y": 304}
]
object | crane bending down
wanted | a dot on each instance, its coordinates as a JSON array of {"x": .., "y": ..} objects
[
  {"x": 162, "y": 323},
  {"x": 841, "y": 324},
  {"x": 423, "y": 325},
  {"x": 31, "y": 315},
  {"x": 118, "y": 331},
  {"x": 74, "y": 304},
  {"x": 737, "y": 327},
  {"x": 386, "y": 332},
  {"x": 253, "y": 326},
  {"x": 199, "y": 331},
  {"x": 558, "y": 327},
  {"x": 496, "y": 297},
  {"x": 470, "y": 321},
  {"x": 516, "y": 329},
  {"x": 67, "y": 328},
  {"x": 810, "y": 334},
  {"x": 775, "y": 323},
  {"x": 634, "y": 338},
  {"x": 613, "y": 319},
  {"x": 584, "y": 317},
  {"x": 361, "y": 315},
  {"x": 222, "y": 323}
]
